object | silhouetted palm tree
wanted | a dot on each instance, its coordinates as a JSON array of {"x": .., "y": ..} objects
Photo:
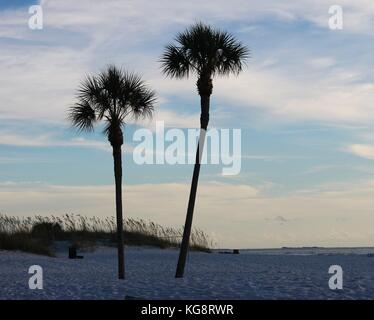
[
  {"x": 205, "y": 52},
  {"x": 113, "y": 96}
]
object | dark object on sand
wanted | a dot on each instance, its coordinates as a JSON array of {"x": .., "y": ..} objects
[
  {"x": 234, "y": 251},
  {"x": 133, "y": 298},
  {"x": 73, "y": 253}
]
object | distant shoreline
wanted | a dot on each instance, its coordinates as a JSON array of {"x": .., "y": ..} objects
[{"x": 294, "y": 248}]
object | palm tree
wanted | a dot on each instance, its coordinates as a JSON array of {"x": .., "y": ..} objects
[
  {"x": 205, "y": 52},
  {"x": 113, "y": 96}
]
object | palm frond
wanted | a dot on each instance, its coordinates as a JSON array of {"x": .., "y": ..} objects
[
  {"x": 142, "y": 103},
  {"x": 175, "y": 62},
  {"x": 231, "y": 55},
  {"x": 140, "y": 99},
  {"x": 91, "y": 91},
  {"x": 82, "y": 116}
]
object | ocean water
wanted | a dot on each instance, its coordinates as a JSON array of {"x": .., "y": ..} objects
[{"x": 308, "y": 251}]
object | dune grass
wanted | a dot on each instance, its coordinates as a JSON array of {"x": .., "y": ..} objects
[
  {"x": 23, "y": 242},
  {"x": 36, "y": 234}
]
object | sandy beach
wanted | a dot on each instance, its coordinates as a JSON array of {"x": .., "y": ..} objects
[{"x": 257, "y": 274}]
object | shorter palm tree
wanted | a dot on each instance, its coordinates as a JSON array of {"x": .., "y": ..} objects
[{"x": 113, "y": 96}]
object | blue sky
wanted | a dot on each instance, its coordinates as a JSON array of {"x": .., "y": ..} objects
[
  {"x": 304, "y": 105},
  {"x": 14, "y": 4}
]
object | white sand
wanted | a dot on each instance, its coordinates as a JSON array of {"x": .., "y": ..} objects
[{"x": 150, "y": 275}]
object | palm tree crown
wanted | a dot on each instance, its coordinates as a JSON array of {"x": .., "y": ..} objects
[
  {"x": 204, "y": 51},
  {"x": 112, "y": 96}
]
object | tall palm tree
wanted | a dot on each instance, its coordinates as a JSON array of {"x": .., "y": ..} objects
[
  {"x": 113, "y": 96},
  {"x": 205, "y": 52}
]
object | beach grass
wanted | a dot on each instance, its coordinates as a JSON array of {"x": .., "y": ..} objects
[{"x": 37, "y": 234}]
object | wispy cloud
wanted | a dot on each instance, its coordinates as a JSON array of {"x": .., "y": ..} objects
[
  {"x": 323, "y": 62},
  {"x": 245, "y": 224},
  {"x": 48, "y": 140}
]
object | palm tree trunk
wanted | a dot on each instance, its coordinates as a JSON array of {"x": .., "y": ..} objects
[
  {"x": 117, "y": 156},
  {"x": 204, "y": 120}
]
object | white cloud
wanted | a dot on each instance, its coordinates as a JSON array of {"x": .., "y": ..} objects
[
  {"x": 323, "y": 62},
  {"x": 48, "y": 140},
  {"x": 362, "y": 150},
  {"x": 333, "y": 98},
  {"x": 172, "y": 119}
]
